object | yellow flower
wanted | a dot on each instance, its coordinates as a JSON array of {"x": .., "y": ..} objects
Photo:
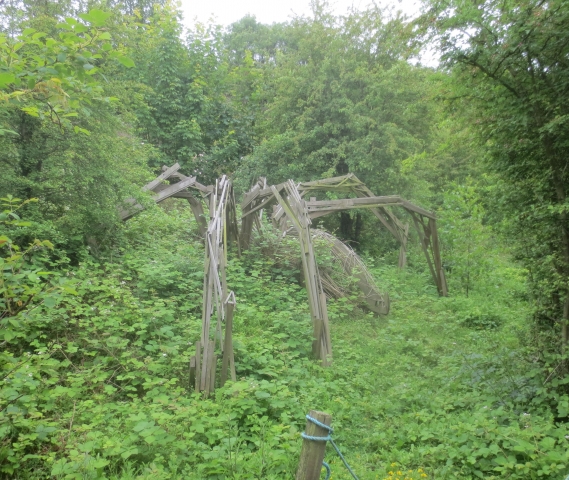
[
  {"x": 399, "y": 472},
  {"x": 394, "y": 464},
  {"x": 420, "y": 470},
  {"x": 424, "y": 475}
]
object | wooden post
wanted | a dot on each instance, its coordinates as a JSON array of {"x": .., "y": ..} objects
[
  {"x": 312, "y": 453},
  {"x": 228, "y": 361},
  {"x": 192, "y": 371},
  {"x": 209, "y": 366},
  {"x": 198, "y": 365}
]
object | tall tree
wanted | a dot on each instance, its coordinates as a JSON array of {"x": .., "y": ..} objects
[
  {"x": 341, "y": 97},
  {"x": 509, "y": 59}
]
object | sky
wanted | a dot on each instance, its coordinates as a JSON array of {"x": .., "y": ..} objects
[{"x": 226, "y": 12}]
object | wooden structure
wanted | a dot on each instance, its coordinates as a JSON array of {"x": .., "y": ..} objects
[
  {"x": 290, "y": 211},
  {"x": 423, "y": 220}
]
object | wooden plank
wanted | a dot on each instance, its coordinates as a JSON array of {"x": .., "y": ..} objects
[
  {"x": 347, "y": 203},
  {"x": 424, "y": 245},
  {"x": 210, "y": 385},
  {"x": 213, "y": 372},
  {"x": 325, "y": 331},
  {"x": 442, "y": 286},
  {"x": 192, "y": 379},
  {"x": 228, "y": 356},
  {"x": 175, "y": 188},
  {"x": 262, "y": 204},
  {"x": 198, "y": 186},
  {"x": 326, "y": 182},
  {"x": 199, "y": 215},
  {"x": 403, "y": 249},
  {"x": 312, "y": 453},
  {"x": 246, "y": 229},
  {"x": 250, "y": 196},
  {"x": 296, "y": 212},
  {"x": 158, "y": 180},
  {"x": 421, "y": 211},
  {"x": 198, "y": 365}
]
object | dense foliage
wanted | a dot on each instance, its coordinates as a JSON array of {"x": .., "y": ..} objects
[
  {"x": 510, "y": 66},
  {"x": 98, "y": 317}
]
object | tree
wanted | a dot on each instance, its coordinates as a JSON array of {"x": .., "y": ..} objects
[
  {"x": 60, "y": 139},
  {"x": 341, "y": 97},
  {"x": 194, "y": 115},
  {"x": 510, "y": 61}
]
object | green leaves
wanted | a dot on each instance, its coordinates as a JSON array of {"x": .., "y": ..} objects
[
  {"x": 55, "y": 75},
  {"x": 6, "y": 79},
  {"x": 509, "y": 72},
  {"x": 95, "y": 17},
  {"x": 126, "y": 61}
]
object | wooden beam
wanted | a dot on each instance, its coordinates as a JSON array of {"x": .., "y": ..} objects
[
  {"x": 198, "y": 186},
  {"x": 348, "y": 203},
  {"x": 158, "y": 180},
  {"x": 421, "y": 211},
  {"x": 174, "y": 188}
]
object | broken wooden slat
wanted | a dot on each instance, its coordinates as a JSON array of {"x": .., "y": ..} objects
[
  {"x": 403, "y": 249},
  {"x": 158, "y": 180},
  {"x": 421, "y": 211},
  {"x": 174, "y": 188},
  {"x": 228, "y": 361},
  {"x": 192, "y": 375},
  {"x": 297, "y": 212},
  {"x": 198, "y": 365}
]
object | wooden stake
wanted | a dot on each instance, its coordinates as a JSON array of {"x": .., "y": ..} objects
[
  {"x": 198, "y": 365},
  {"x": 192, "y": 371},
  {"x": 228, "y": 359},
  {"x": 209, "y": 385},
  {"x": 312, "y": 453}
]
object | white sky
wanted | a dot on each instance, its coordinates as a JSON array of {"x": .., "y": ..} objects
[{"x": 225, "y": 12}]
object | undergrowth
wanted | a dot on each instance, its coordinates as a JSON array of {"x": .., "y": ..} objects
[{"x": 95, "y": 384}]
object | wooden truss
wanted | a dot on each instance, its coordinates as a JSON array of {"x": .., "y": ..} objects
[{"x": 289, "y": 209}]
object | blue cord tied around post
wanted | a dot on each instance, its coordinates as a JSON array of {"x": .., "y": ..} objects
[{"x": 328, "y": 438}]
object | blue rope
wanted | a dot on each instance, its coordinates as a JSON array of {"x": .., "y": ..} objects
[{"x": 328, "y": 438}]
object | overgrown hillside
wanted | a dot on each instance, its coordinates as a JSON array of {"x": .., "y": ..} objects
[{"x": 96, "y": 375}]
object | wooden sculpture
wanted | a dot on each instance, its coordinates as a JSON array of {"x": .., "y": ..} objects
[{"x": 290, "y": 210}]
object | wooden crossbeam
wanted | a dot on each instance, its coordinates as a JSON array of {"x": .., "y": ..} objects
[
  {"x": 348, "y": 203},
  {"x": 158, "y": 180},
  {"x": 174, "y": 188}
]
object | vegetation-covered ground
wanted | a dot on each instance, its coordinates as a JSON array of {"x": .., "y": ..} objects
[{"x": 95, "y": 384}]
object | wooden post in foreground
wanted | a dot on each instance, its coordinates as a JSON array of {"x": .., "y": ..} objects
[{"x": 312, "y": 453}]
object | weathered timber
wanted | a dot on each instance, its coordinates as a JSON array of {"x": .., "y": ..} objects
[
  {"x": 192, "y": 375},
  {"x": 296, "y": 212},
  {"x": 173, "y": 189},
  {"x": 348, "y": 203},
  {"x": 312, "y": 453},
  {"x": 158, "y": 180},
  {"x": 198, "y": 366},
  {"x": 228, "y": 361},
  {"x": 403, "y": 249}
]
